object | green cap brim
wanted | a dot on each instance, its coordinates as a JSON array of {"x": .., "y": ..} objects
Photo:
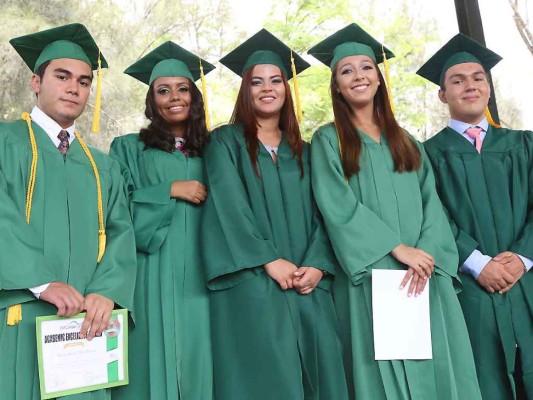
[
  {"x": 352, "y": 40},
  {"x": 68, "y": 41},
  {"x": 263, "y": 48},
  {"x": 460, "y": 49},
  {"x": 168, "y": 60}
]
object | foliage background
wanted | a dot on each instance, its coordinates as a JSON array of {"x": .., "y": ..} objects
[{"x": 126, "y": 30}]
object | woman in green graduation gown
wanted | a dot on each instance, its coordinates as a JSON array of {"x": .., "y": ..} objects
[
  {"x": 170, "y": 346},
  {"x": 375, "y": 189},
  {"x": 273, "y": 322}
]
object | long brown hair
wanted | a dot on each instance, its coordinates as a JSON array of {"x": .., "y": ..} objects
[
  {"x": 404, "y": 151},
  {"x": 244, "y": 114}
]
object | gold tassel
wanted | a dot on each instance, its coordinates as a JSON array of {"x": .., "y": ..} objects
[
  {"x": 14, "y": 312},
  {"x": 387, "y": 79},
  {"x": 491, "y": 121},
  {"x": 101, "y": 227},
  {"x": 97, "y": 97},
  {"x": 299, "y": 113},
  {"x": 204, "y": 94},
  {"x": 14, "y": 315},
  {"x": 33, "y": 167}
]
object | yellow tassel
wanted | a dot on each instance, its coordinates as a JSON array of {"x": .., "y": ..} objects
[
  {"x": 299, "y": 113},
  {"x": 204, "y": 94},
  {"x": 33, "y": 166},
  {"x": 488, "y": 115},
  {"x": 98, "y": 97},
  {"x": 101, "y": 227},
  {"x": 14, "y": 315},
  {"x": 387, "y": 79}
]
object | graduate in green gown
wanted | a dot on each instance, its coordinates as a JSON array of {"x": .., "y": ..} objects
[
  {"x": 375, "y": 189},
  {"x": 170, "y": 346},
  {"x": 56, "y": 257},
  {"x": 269, "y": 263},
  {"x": 484, "y": 177}
]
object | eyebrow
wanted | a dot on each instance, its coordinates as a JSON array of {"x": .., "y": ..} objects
[
  {"x": 180, "y": 84},
  {"x": 67, "y": 72},
  {"x": 268, "y": 77},
  {"x": 458, "y": 75}
]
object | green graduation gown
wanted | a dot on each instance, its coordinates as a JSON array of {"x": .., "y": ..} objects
[
  {"x": 489, "y": 198},
  {"x": 59, "y": 244},
  {"x": 367, "y": 217},
  {"x": 170, "y": 346},
  {"x": 267, "y": 343}
]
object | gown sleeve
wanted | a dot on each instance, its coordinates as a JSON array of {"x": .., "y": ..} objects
[
  {"x": 151, "y": 207},
  {"x": 233, "y": 248},
  {"x": 523, "y": 245},
  {"x": 359, "y": 237},
  {"x": 465, "y": 243},
  {"x": 436, "y": 237},
  {"x": 114, "y": 277}
]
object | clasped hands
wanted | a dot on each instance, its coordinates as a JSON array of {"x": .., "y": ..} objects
[
  {"x": 70, "y": 302},
  {"x": 501, "y": 273},
  {"x": 289, "y": 276}
]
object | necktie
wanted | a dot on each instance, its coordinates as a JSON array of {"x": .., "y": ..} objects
[
  {"x": 474, "y": 133},
  {"x": 63, "y": 137}
]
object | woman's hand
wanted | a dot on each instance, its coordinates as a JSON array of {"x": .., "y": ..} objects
[
  {"x": 282, "y": 272},
  {"x": 306, "y": 279},
  {"x": 420, "y": 261},
  {"x": 191, "y": 191},
  {"x": 418, "y": 283}
]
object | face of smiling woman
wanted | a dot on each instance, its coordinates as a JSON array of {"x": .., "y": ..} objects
[
  {"x": 268, "y": 91},
  {"x": 172, "y": 97},
  {"x": 357, "y": 79}
]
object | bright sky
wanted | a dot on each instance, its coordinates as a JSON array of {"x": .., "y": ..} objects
[{"x": 514, "y": 73}]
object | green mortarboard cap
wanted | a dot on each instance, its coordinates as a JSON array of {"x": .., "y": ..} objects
[
  {"x": 460, "y": 49},
  {"x": 67, "y": 41},
  {"x": 263, "y": 48},
  {"x": 168, "y": 60},
  {"x": 349, "y": 41}
]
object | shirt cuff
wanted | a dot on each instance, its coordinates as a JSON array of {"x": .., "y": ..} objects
[
  {"x": 475, "y": 263},
  {"x": 37, "y": 290},
  {"x": 527, "y": 262}
]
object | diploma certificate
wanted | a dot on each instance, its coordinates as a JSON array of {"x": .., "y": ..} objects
[{"x": 69, "y": 365}]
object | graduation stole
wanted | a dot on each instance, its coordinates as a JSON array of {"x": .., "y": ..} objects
[{"x": 14, "y": 313}]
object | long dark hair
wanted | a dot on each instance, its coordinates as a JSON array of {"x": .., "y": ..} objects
[
  {"x": 404, "y": 152},
  {"x": 158, "y": 134},
  {"x": 244, "y": 114}
]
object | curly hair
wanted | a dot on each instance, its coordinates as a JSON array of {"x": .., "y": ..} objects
[{"x": 158, "y": 135}]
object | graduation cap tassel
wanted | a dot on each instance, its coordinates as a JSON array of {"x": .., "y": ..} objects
[
  {"x": 491, "y": 121},
  {"x": 101, "y": 226},
  {"x": 14, "y": 315},
  {"x": 204, "y": 94},
  {"x": 97, "y": 97},
  {"x": 299, "y": 113},
  {"x": 387, "y": 79}
]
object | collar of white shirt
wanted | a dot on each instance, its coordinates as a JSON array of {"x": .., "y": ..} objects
[
  {"x": 51, "y": 127},
  {"x": 460, "y": 127}
]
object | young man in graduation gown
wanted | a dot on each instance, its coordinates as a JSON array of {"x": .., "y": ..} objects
[
  {"x": 60, "y": 201},
  {"x": 484, "y": 177}
]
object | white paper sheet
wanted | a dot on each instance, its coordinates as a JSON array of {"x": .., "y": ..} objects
[{"x": 402, "y": 328}]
